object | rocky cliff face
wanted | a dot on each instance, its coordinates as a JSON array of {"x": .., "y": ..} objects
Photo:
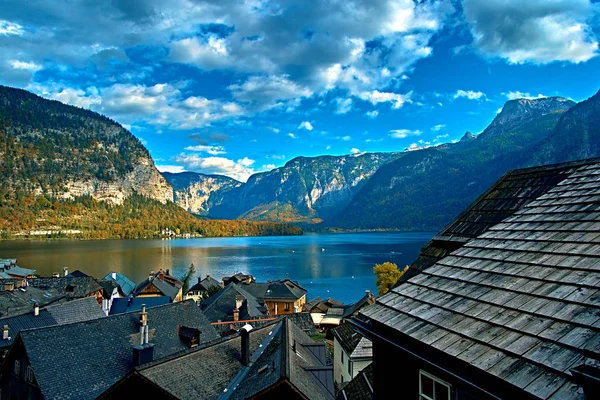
[
  {"x": 199, "y": 193},
  {"x": 62, "y": 151},
  {"x": 305, "y": 189}
]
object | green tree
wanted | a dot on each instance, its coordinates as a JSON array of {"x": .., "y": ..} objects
[
  {"x": 187, "y": 278},
  {"x": 387, "y": 276}
]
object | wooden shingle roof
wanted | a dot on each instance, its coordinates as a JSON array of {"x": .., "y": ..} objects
[{"x": 521, "y": 301}]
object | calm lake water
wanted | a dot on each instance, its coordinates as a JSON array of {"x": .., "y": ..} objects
[{"x": 327, "y": 265}]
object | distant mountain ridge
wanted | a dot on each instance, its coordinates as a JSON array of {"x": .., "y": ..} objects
[{"x": 422, "y": 189}]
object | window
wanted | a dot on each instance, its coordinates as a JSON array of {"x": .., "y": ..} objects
[
  {"x": 432, "y": 388},
  {"x": 286, "y": 306},
  {"x": 17, "y": 370},
  {"x": 342, "y": 353},
  {"x": 29, "y": 374},
  {"x": 350, "y": 367}
]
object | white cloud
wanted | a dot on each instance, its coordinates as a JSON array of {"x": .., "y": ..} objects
[
  {"x": 440, "y": 137},
  {"x": 343, "y": 106},
  {"x": 268, "y": 167},
  {"x": 403, "y": 133},
  {"x": 240, "y": 169},
  {"x": 10, "y": 28},
  {"x": 276, "y": 157},
  {"x": 213, "y": 150},
  {"x": 376, "y": 97},
  {"x": 175, "y": 169},
  {"x": 292, "y": 136},
  {"x": 275, "y": 130},
  {"x": 535, "y": 31},
  {"x": 269, "y": 91},
  {"x": 469, "y": 94},
  {"x": 372, "y": 114},
  {"x": 305, "y": 125},
  {"x": 522, "y": 95},
  {"x": 345, "y": 138},
  {"x": 27, "y": 66},
  {"x": 354, "y": 150},
  {"x": 207, "y": 54},
  {"x": 413, "y": 146},
  {"x": 438, "y": 128}
]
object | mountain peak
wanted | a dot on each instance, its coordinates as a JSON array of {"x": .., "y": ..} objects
[
  {"x": 467, "y": 137},
  {"x": 518, "y": 111}
]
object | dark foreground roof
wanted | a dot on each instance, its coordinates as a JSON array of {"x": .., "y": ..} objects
[
  {"x": 71, "y": 311},
  {"x": 71, "y": 286},
  {"x": 360, "y": 387},
  {"x": 511, "y": 193},
  {"x": 520, "y": 302},
  {"x": 82, "y": 360},
  {"x": 127, "y": 304},
  {"x": 290, "y": 356}
]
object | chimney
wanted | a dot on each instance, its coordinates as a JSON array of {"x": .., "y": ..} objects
[
  {"x": 168, "y": 272},
  {"x": 151, "y": 275},
  {"x": 55, "y": 275},
  {"x": 161, "y": 275},
  {"x": 65, "y": 271},
  {"x": 114, "y": 275},
  {"x": 36, "y": 309},
  {"x": 370, "y": 297},
  {"x": 143, "y": 326},
  {"x": 143, "y": 354},
  {"x": 5, "y": 332},
  {"x": 245, "y": 351},
  {"x": 236, "y": 314},
  {"x": 239, "y": 300}
]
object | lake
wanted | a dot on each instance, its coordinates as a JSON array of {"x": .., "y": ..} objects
[{"x": 338, "y": 265}]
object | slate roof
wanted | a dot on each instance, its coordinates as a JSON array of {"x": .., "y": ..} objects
[
  {"x": 63, "y": 313},
  {"x": 220, "y": 306},
  {"x": 19, "y": 271},
  {"x": 77, "y": 273},
  {"x": 71, "y": 286},
  {"x": 279, "y": 289},
  {"x": 82, "y": 360},
  {"x": 6, "y": 262},
  {"x": 292, "y": 356},
  {"x": 521, "y": 301},
  {"x": 122, "y": 305},
  {"x": 354, "y": 344},
  {"x": 205, "y": 372},
  {"x": 360, "y": 387},
  {"x": 21, "y": 300},
  {"x": 125, "y": 284},
  {"x": 166, "y": 287},
  {"x": 108, "y": 287},
  {"x": 303, "y": 321},
  {"x": 509, "y": 194}
]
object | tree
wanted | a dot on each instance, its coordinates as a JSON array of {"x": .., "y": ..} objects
[
  {"x": 387, "y": 276},
  {"x": 187, "y": 278}
]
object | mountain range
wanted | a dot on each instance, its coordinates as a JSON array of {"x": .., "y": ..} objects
[
  {"x": 422, "y": 189},
  {"x": 63, "y": 153}
]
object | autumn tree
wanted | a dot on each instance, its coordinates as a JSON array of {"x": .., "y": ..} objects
[
  {"x": 187, "y": 278},
  {"x": 387, "y": 276}
]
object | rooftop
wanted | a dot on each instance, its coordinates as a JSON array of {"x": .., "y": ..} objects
[
  {"x": 360, "y": 387},
  {"x": 163, "y": 282},
  {"x": 521, "y": 301},
  {"x": 66, "y": 358},
  {"x": 279, "y": 289},
  {"x": 354, "y": 344},
  {"x": 122, "y": 305},
  {"x": 220, "y": 306},
  {"x": 71, "y": 286},
  {"x": 125, "y": 284}
]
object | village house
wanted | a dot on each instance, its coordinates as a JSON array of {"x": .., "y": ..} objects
[
  {"x": 233, "y": 303},
  {"x": 277, "y": 361},
  {"x": 279, "y": 297},
  {"x": 503, "y": 303},
  {"x": 202, "y": 288},
  {"x": 334, "y": 314},
  {"x": 238, "y": 278},
  {"x": 70, "y": 286},
  {"x": 12, "y": 276},
  {"x": 352, "y": 353},
  {"x": 160, "y": 283},
  {"x": 124, "y": 284},
  {"x": 82, "y": 360}
]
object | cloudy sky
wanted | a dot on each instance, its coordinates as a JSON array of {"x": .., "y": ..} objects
[{"x": 236, "y": 87}]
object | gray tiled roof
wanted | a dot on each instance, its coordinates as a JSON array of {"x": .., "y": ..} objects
[
  {"x": 82, "y": 360},
  {"x": 63, "y": 313},
  {"x": 166, "y": 287},
  {"x": 511, "y": 193},
  {"x": 125, "y": 284},
  {"x": 219, "y": 307},
  {"x": 522, "y": 300},
  {"x": 72, "y": 286},
  {"x": 360, "y": 387},
  {"x": 353, "y": 343},
  {"x": 293, "y": 356},
  {"x": 206, "y": 372},
  {"x": 279, "y": 289},
  {"x": 19, "y": 271}
]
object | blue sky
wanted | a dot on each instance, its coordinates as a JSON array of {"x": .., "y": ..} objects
[{"x": 237, "y": 87}]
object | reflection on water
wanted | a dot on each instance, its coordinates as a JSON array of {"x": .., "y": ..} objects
[{"x": 336, "y": 265}]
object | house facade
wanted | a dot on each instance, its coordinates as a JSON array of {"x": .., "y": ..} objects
[{"x": 352, "y": 352}]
